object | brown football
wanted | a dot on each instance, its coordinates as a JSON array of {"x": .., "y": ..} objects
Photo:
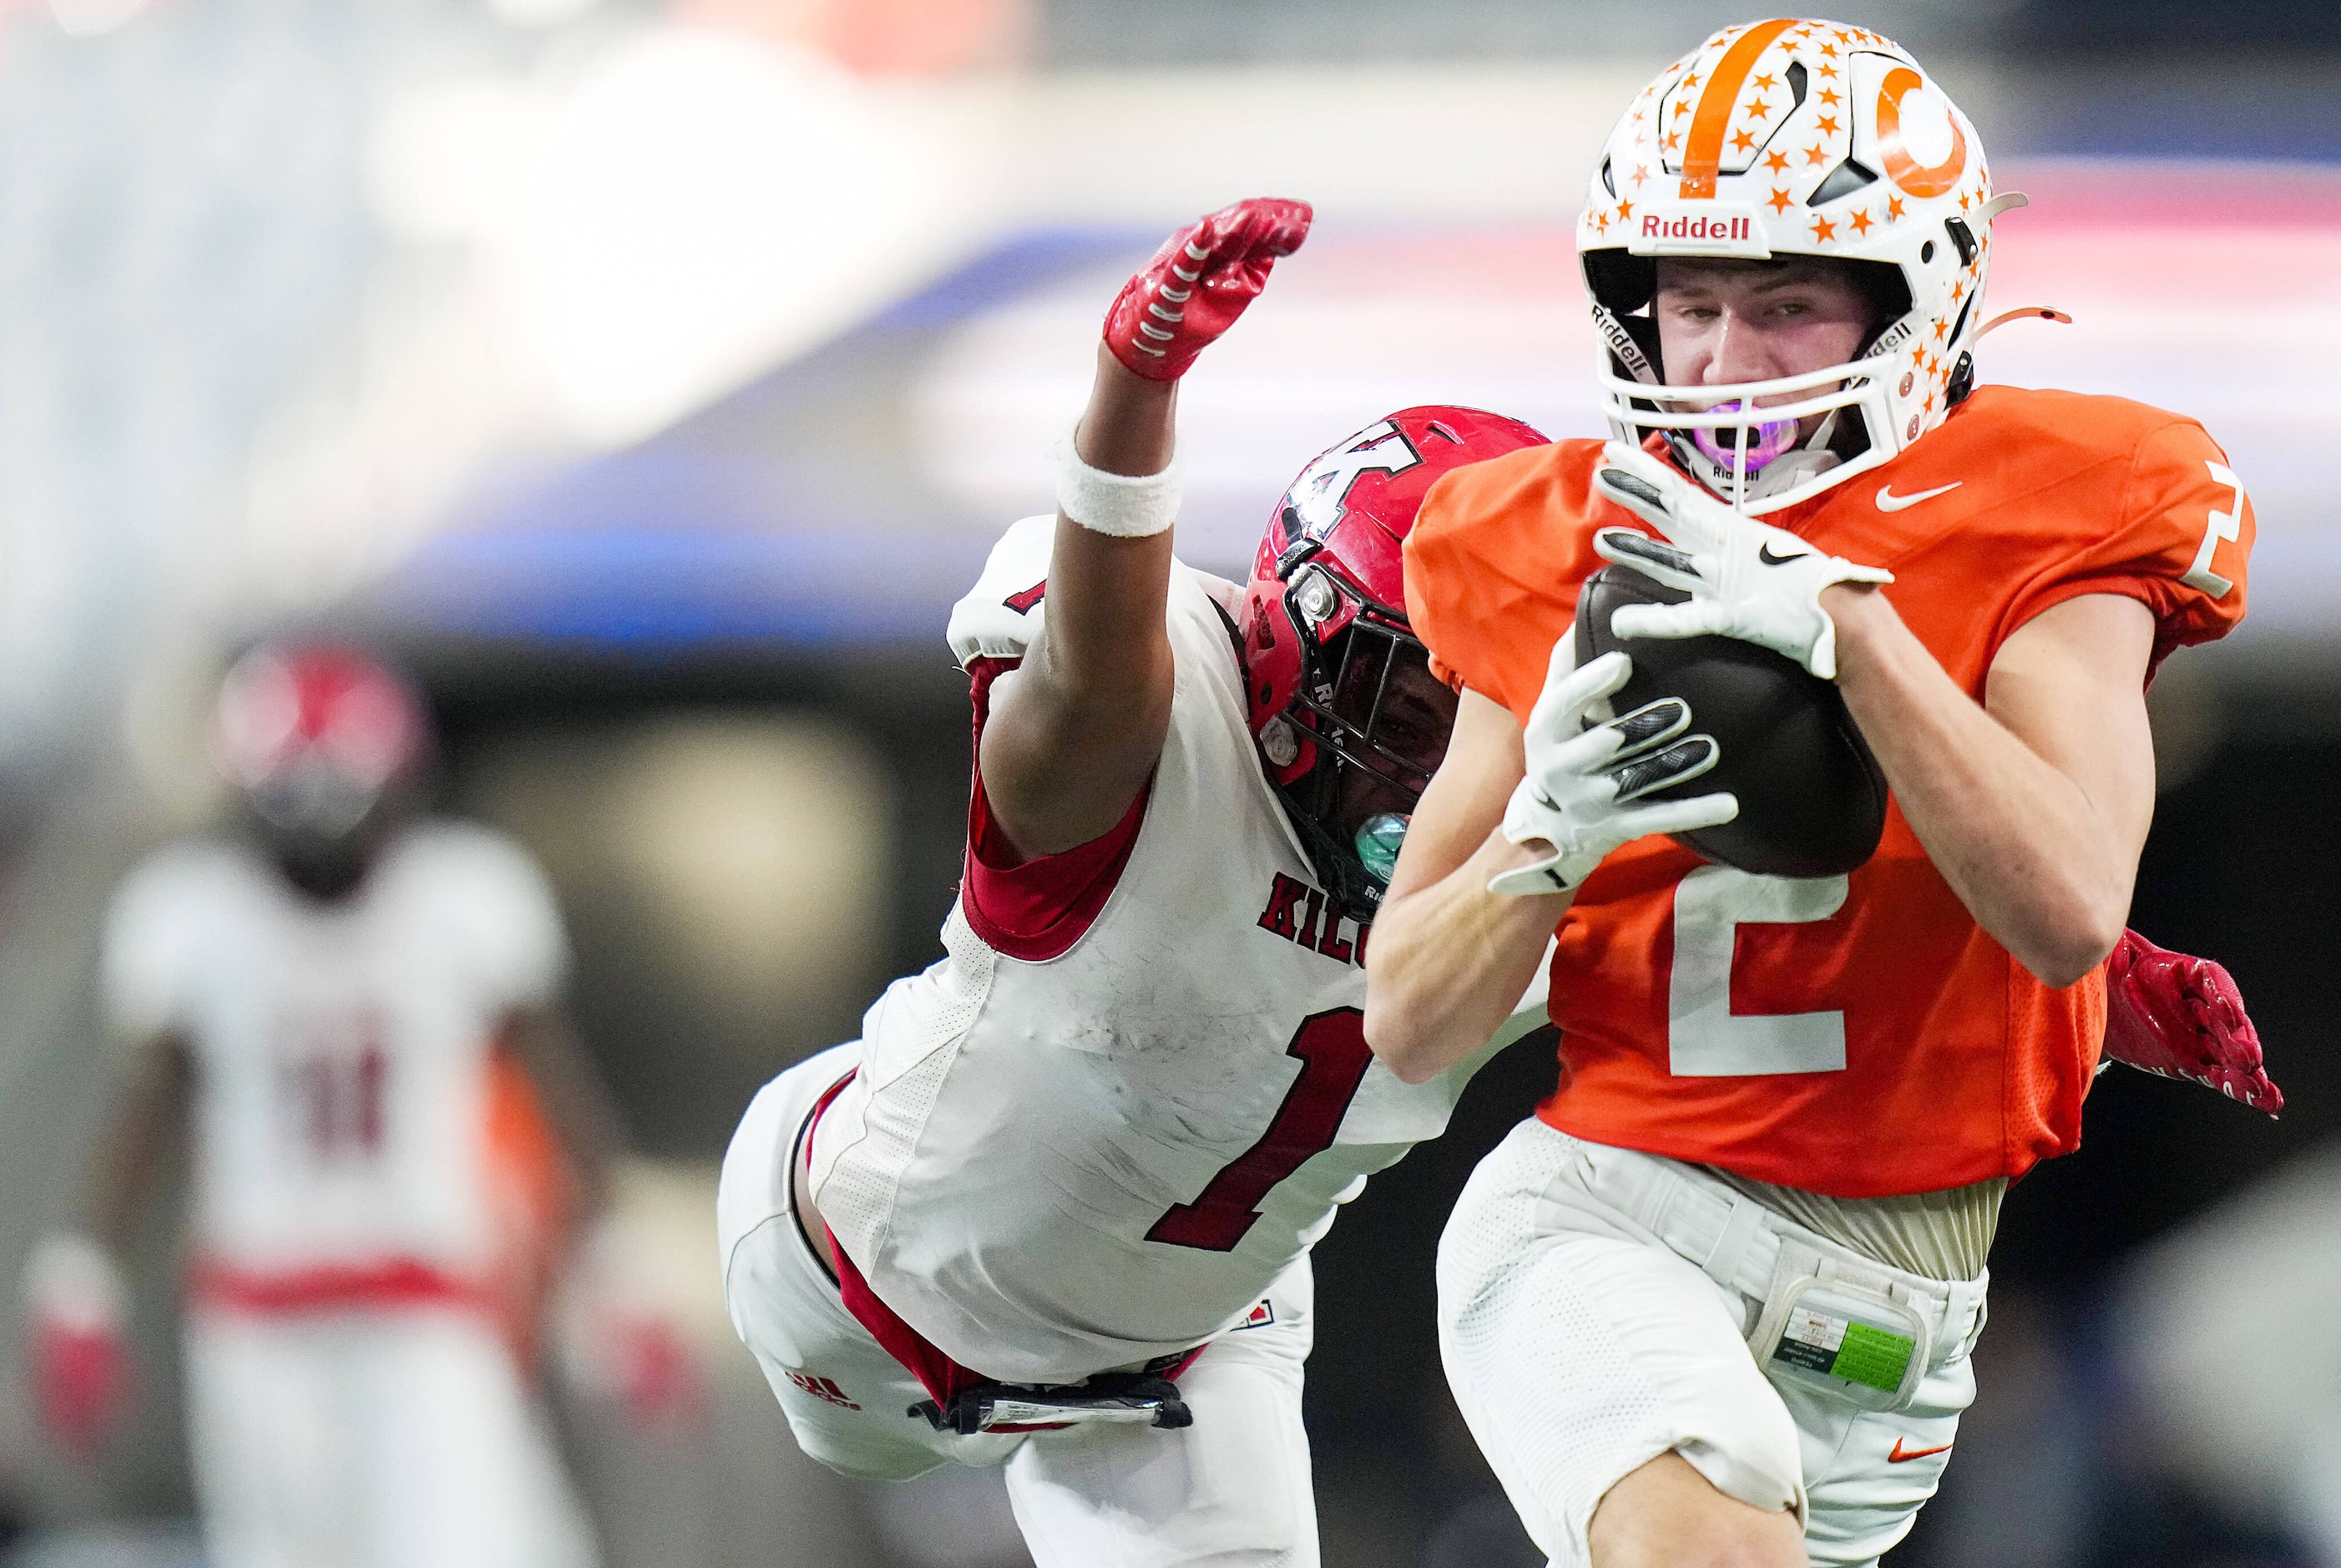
[{"x": 1812, "y": 800}]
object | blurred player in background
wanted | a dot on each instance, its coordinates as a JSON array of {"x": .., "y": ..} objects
[
  {"x": 1055, "y": 1208},
  {"x": 355, "y": 1007},
  {"x": 1789, "y": 1109}
]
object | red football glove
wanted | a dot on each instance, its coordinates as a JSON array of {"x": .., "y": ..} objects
[
  {"x": 620, "y": 1336},
  {"x": 74, "y": 1302},
  {"x": 1198, "y": 283},
  {"x": 2182, "y": 1017}
]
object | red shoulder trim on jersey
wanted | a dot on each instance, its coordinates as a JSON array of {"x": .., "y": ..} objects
[{"x": 1035, "y": 910}]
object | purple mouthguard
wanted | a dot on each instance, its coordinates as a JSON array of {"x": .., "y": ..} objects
[{"x": 1769, "y": 439}]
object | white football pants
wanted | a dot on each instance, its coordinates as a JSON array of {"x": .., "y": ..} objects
[
  {"x": 1232, "y": 1491},
  {"x": 398, "y": 1438},
  {"x": 1586, "y": 1332}
]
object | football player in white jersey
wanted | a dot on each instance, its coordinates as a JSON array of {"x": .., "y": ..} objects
[
  {"x": 1055, "y": 1207},
  {"x": 353, "y": 1007}
]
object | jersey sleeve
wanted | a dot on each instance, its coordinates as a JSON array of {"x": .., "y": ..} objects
[
  {"x": 1493, "y": 568},
  {"x": 1436, "y": 567},
  {"x": 2181, "y": 543},
  {"x": 151, "y": 946},
  {"x": 1003, "y": 612},
  {"x": 505, "y": 914}
]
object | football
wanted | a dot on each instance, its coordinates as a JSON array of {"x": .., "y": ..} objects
[{"x": 1812, "y": 801}]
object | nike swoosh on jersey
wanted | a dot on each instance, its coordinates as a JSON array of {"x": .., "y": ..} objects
[
  {"x": 1890, "y": 502},
  {"x": 1764, "y": 554},
  {"x": 1903, "y": 1456}
]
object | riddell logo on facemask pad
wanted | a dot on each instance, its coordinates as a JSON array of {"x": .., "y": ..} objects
[{"x": 1698, "y": 228}]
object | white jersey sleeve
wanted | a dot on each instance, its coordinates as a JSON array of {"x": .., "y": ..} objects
[
  {"x": 1005, "y": 610},
  {"x": 153, "y": 950},
  {"x": 499, "y": 904}
]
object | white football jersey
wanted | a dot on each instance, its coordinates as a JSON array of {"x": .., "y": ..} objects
[
  {"x": 1054, "y": 1168},
  {"x": 340, "y": 1049}
]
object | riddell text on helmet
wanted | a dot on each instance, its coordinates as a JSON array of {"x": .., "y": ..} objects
[
  {"x": 1700, "y": 228},
  {"x": 1707, "y": 228}
]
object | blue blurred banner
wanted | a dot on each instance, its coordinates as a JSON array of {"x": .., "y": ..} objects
[{"x": 850, "y": 497}]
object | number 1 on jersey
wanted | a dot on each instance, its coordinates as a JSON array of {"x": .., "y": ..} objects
[{"x": 1333, "y": 1058}]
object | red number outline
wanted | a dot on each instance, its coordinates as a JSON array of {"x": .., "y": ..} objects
[{"x": 1334, "y": 1055}]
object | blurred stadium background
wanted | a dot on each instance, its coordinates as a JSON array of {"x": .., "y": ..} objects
[{"x": 653, "y": 377}]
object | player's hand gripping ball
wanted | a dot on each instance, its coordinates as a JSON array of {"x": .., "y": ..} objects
[
  {"x": 1742, "y": 578},
  {"x": 1812, "y": 799},
  {"x": 1202, "y": 279},
  {"x": 1585, "y": 788}
]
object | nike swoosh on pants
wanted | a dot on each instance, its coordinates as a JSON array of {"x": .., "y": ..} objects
[{"x": 1903, "y": 1456}]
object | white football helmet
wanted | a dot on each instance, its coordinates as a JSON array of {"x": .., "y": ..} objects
[{"x": 1791, "y": 137}]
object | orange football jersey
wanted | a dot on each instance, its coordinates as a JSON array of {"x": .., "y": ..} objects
[{"x": 1860, "y": 1035}]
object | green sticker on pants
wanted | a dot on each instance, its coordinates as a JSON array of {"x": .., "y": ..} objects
[
  {"x": 1823, "y": 1343},
  {"x": 1873, "y": 1357}
]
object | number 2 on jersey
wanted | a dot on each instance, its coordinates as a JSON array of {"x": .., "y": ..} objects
[
  {"x": 1705, "y": 1039},
  {"x": 1334, "y": 1055}
]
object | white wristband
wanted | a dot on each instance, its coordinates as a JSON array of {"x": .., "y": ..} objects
[{"x": 1127, "y": 506}]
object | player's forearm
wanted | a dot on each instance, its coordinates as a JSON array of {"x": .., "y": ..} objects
[
  {"x": 585, "y": 1119},
  {"x": 2031, "y": 856},
  {"x": 1075, "y": 734},
  {"x": 1449, "y": 961},
  {"x": 126, "y": 1161},
  {"x": 1106, "y": 593}
]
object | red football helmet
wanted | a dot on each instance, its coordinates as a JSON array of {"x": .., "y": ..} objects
[
  {"x": 319, "y": 740},
  {"x": 1325, "y": 632}
]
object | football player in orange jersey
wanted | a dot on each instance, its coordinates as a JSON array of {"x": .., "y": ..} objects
[{"x": 1788, "y": 1109}]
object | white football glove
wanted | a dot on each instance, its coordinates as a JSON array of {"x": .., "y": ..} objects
[
  {"x": 1746, "y": 579},
  {"x": 1582, "y": 782}
]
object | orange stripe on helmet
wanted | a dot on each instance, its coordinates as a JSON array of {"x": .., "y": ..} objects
[
  {"x": 1901, "y": 166},
  {"x": 1703, "y": 153}
]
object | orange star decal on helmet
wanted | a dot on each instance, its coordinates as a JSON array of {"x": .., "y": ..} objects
[
  {"x": 1625, "y": 210},
  {"x": 1827, "y": 71},
  {"x": 1682, "y": 108},
  {"x": 1757, "y": 108},
  {"x": 1690, "y": 81},
  {"x": 1919, "y": 354},
  {"x": 1776, "y": 162},
  {"x": 1823, "y": 229},
  {"x": 1816, "y": 155},
  {"x": 1641, "y": 175},
  {"x": 1828, "y": 124},
  {"x": 1741, "y": 141},
  {"x": 1670, "y": 144},
  {"x": 1829, "y": 50},
  {"x": 1764, "y": 83},
  {"x": 1830, "y": 97},
  {"x": 1779, "y": 201},
  {"x": 1893, "y": 208},
  {"x": 1860, "y": 222}
]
